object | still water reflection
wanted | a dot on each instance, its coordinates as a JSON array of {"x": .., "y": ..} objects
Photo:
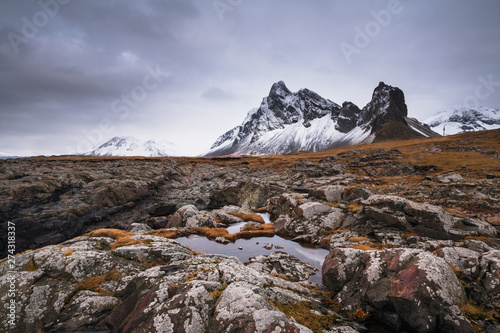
[{"x": 244, "y": 249}]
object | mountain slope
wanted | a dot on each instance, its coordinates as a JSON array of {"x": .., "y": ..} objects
[
  {"x": 130, "y": 146},
  {"x": 287, "y": 122},
  {"x": 464, "y": 119}
]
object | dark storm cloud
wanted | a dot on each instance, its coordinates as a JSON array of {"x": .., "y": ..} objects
[{"x": 65, "y": 79}]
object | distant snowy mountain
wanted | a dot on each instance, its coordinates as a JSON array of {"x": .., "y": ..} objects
[
  {"x": 463, "y": 119},
  {"x": 287, "y": 122},
  {"x": 130, "y": 146}
]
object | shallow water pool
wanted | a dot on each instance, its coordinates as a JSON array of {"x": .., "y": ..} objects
[{"x": 244, "y": 249}]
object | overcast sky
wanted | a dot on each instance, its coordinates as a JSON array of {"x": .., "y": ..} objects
[{"x": 76, "y": 73}]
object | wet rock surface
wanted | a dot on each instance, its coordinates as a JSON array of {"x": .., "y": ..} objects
[{"x": 412, "y": 246}]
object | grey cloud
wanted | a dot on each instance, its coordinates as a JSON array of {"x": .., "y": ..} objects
[{"x": 92, "y": 52}]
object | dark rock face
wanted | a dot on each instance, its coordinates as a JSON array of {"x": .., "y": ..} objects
[
  {"x": 387, "y": 105},
  {"x": 348, "y": 118}
]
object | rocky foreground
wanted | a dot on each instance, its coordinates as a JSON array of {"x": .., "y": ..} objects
[{"x": 412, "y": 230}]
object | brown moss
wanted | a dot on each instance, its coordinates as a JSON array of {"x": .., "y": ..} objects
[
  {"x": 111, "y": 233},
  {"x": 69, "y": 252},
  {"x": 122, "y": 237},
  {"x": 355, "y": 208},
  {"x": 284, "y": 277},
  {"x": 170, "y": 234},
  {"x": 455, "y": 269},
  {"x": 31, "y": 266},
  {"x": 125, "y": 241},
  {"x": 265, "y": 230},
  {"x": 249, "y": 217},
  {"x": 372, "y": 247},
  {"x": 93, "y": 283},
  {"x": 213, "y": 233},
  {"x": 301, "y": 312},
  {"x": 105, "y": 292},
  {"x": 474, "y": 312},
  {"x": 358, "y": 315},
  {"x": 480, "y": 238},
  {"x": 408, "y": 234},
  {"x": 359, "y": 239}
]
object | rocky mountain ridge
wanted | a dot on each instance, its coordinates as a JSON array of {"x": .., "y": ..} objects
[
  {"x": 464, "y": 119},
  {"x": 411, "y": 228},
  {"x": 304, "y": 121}
]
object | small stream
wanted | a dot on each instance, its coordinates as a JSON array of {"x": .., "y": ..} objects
[{"x": 244, "y": 249}]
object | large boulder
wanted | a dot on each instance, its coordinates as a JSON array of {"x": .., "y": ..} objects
[
  {"x": 181, "y": 216},
  {"x": 418, "y": 290}
]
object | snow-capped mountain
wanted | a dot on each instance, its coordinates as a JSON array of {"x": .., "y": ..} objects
[
  {"x": 130, "y": 146},
  {"x": 464, "y": 119},
  {"x": 287, "y": 122}
]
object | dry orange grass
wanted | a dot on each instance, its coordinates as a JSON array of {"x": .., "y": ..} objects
[
  {"x": 265, "y": 230},
  {"x": 111, "y": 233},
  {"x": 93, "y": 283},
  {"x": 372, "y": 247},
  {"x": 122, "y": 237},
  {"x": 259, "y": 210},
  {"x": 359, "y": 239},
  {"x": 249, "y": 217},
  {"x": 164, "y": 233},
  {"x": 211, "y": 233}
]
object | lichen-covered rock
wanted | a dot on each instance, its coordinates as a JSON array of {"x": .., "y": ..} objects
[
  {"x": 424, "y": 219},
  {"x": 126, "y": 282},
  {"x": 242, "y": 308},
  {"x": 332, "y": 193},
  {"x": 421, "y": 289},
  {"x": 282, "y": 264},
  {"x": 449, "y": 177},
  {"x": 490, "y": 274},
  {"x": 297, "y": 217},
  {"x": 181, "y": 216}
]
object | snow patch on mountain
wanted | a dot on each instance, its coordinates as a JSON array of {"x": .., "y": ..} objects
[
  {"x": 130, "y": 146},
  {"x": 464, "y": 119}
]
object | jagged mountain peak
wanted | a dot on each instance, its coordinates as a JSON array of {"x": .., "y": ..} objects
[
  {"x": 291, "y": 121},
  {"x": 279, "y": 89},
  {"x": 386, "y": 106}
]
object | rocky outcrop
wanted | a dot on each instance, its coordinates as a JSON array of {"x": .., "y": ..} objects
[
  {"x": 410, "y": 289},
  {"x": 82, "y": 285},
  {"x": 302, "y": 219}
]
